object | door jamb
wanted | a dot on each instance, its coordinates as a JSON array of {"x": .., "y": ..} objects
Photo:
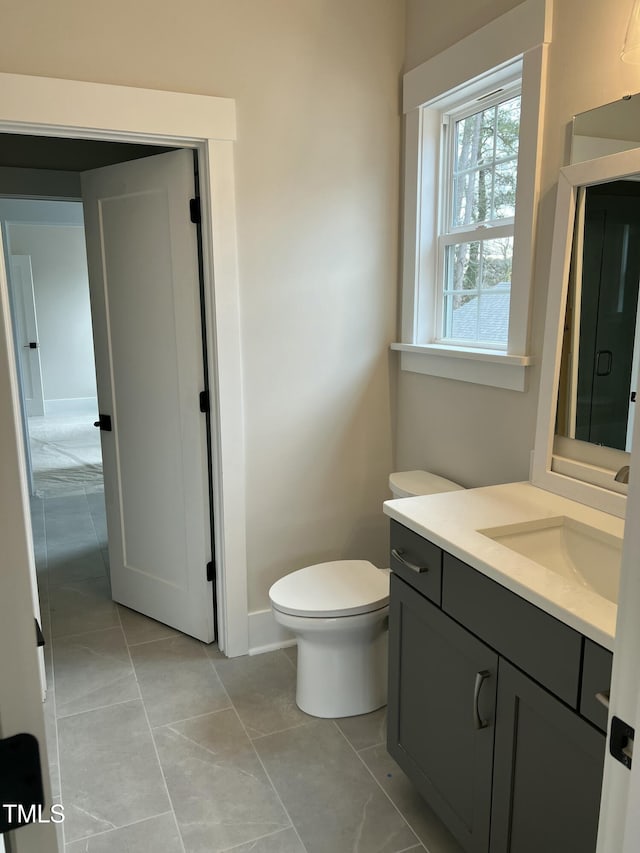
[{"x": 70, "y": 108}]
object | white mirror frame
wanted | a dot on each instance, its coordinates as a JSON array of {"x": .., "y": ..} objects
[{"x": 588, "y": 482}]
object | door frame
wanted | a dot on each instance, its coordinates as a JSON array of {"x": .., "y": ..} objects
[
  {"x": 69, "y": 108},
  {"x": 23, "y": 263}
]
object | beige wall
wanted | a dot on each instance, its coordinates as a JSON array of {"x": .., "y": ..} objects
[
  {"x": 480, "y": 435},
  {"x": 434, "y": 26},
  {"x": 317, "y": 166}
]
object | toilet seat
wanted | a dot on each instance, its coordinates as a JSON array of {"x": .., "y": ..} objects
[{"x": 327, "y": 590}]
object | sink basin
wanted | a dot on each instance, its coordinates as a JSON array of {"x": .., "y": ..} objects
[{"x": 575, "y": 551}]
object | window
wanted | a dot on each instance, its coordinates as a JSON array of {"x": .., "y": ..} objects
[
  {"x": 472, "y": 154},
  {"x": 479, "y": 167}
]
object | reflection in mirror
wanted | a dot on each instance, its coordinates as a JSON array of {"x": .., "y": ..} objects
[
  {"x": 599, "y": 367},
  {"x": 606, "y": 130}
]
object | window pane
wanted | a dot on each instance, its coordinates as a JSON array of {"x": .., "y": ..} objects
[
  {"x": 497, "y": 256},
  {"x": 508, "y": 128},
  {"x": 505, "y": 181},
  {"x": 477, "y": 291},
  {"x": 474, "y": 140},
  {"x": 481, "y": 319},
  {"x": 462, "y": 266},
  {"x": 472, "y": 197},
  {"x": 483, "y": 179}
]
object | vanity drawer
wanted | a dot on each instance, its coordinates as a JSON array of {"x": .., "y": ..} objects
[
  {"x": 596, "y": 679},
  {"x": 409, "y": 549},
  {"x": 545, "y": 648}
]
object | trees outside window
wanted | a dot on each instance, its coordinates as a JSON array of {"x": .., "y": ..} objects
[{"x": 477, "y": 212}]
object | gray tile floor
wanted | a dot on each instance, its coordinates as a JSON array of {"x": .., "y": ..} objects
[{"x": 159, "y": 743}]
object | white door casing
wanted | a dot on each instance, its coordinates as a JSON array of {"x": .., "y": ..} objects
[
  {"x": 53, "y": 107},
  {"x": 619, "y": 830},
  {"x": 26, "y": 329},
  {"x": 145, "y": 299}
]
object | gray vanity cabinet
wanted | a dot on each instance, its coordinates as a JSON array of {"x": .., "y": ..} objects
[
  {"x": 511, "y": 763},
  {"x": 547, "y": 772},
  {"x": 438, "y": 733}
]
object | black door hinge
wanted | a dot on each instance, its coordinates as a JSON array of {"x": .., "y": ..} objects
[
  {"x": 39, "y": 635},
  {"x": 211, "y": 571},
  {"x": 103, "y": 423},
  {"x": 621, "y": 741},
  {"x": 195, "y": 211},
  {"x": 204, "y": 402}
]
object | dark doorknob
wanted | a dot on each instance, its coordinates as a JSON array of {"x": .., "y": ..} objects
[{"x": 31, "y": 345}]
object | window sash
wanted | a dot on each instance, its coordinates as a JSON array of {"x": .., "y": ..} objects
[
  {"x": 466, "y": 234},
  {"x": 451, "y": 235},
  {"x": 479, "y": 234}
]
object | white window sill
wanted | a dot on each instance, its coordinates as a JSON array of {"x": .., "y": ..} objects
[{"x": 466, "y": 364}]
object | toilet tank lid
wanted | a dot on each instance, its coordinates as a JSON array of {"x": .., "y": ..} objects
[
  {"x": 411, "y": 483},
  {"x": 338, "y": 588}
]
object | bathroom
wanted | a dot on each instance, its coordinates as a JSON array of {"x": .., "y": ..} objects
[{"x": 327, "y": 411}]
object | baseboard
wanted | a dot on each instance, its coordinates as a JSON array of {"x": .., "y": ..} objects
[
  {"x": 71, "y": 406},
  {"x": 265, "y": 635}
]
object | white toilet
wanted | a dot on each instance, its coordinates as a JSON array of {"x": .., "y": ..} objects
[{"x": 339, "y": 613}]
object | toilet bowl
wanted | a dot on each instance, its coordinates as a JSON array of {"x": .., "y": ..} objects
[{"x": 339, "y": 613}]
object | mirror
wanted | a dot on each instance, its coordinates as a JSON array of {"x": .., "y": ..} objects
[
  {"x": 589, "y": 369},
  {"x": 599, "y": 368},
  {"x": 591, "y": 351}
]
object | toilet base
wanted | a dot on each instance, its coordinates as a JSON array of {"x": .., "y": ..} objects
[{"x": 342, "y": 671}]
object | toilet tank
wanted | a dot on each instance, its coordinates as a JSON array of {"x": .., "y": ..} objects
[{"x": 407, "y": 484}]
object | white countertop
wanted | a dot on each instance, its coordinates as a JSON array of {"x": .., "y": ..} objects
[{"x": 451, "y": 520}]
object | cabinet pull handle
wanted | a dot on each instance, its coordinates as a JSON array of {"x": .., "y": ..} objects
[
  {"x": 603, "y": 698},
  {"x": 481, "y": 677},
  {"x": 397, "y": 553}
]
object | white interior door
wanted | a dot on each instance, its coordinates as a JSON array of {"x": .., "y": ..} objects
[
  {"x": 20, "y": 664},
  {"x": 26, "y": 330},
  {"x": 145, "y": 300}
]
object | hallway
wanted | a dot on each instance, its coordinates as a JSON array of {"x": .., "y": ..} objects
[{"x": 159, "y": 744}]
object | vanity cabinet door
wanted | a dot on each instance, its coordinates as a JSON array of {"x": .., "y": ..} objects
[
  {"x": 547, "y": 772},
  {"x": 442, "y": 688}
]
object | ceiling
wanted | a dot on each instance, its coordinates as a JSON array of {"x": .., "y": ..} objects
[{"x": 69, "y": 155}]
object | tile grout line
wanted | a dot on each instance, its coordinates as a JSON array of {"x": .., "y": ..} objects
[
  {"x": 280, "y": 731},
  {"x": 270, "y": 780},
  {"x": 262, "y": 838},
  {"x": 369, "y": 771},
  {"x": 66, "y": 637},
  {"x": 155, "y": 639},
  {"x": 153, "y": 740},
  {"x": 266, "y": 773},
  {"x": 195, "y": 717},
  {"x": 102, "y": 707},
  {"x": 118, "y": 828}
]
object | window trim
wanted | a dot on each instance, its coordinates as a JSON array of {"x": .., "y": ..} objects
[{"x": 492, "y": 54}]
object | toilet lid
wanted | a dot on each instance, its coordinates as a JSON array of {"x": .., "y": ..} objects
[
  {"x": 339, "y": 588},
  {"x": 409, "y": 484}
]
